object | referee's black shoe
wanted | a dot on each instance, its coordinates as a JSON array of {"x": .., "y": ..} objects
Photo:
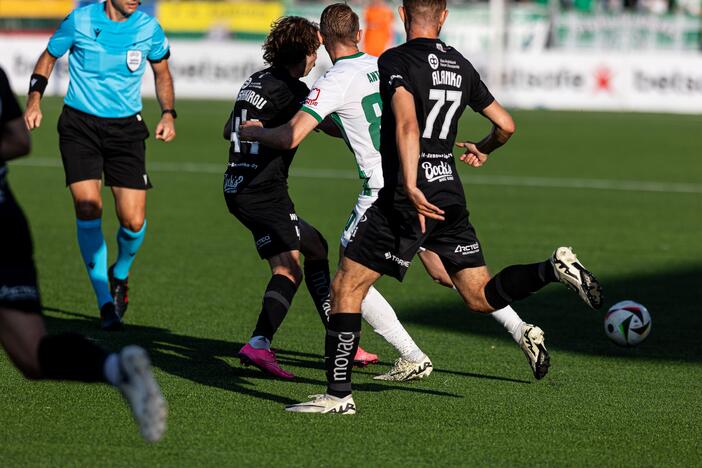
[
  {"x": 109, "y": 320},
  {"x": 120, "y": 292}
]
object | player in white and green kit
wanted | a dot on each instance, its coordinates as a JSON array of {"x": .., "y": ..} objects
[{"x": 349, "y": 94}]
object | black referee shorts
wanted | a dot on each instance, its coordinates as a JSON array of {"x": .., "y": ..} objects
[
  {"x": 270, "y": 217},
  {"x": 91, "y": 146},
  {"x": 18, "y": 277},
  {"x": 387, "y": 239}
]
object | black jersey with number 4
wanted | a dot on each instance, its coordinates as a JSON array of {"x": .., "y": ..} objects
[
  {"x": 273, "y": 97},
  {"x": 443, "y": 83}
]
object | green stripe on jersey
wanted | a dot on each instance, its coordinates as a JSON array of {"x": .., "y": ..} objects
[{"x": 312, "y": 113}]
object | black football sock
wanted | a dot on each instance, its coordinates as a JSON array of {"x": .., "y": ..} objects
[
  {"x": 276, "y": 302},
  {"x": 517, "y": 282},
  {"x": 318, "y": 283},
  {"x": 343, "y": 334},
  {"x": 71, "y": 357}
]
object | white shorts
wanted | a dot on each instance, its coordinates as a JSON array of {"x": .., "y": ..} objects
[{"x": 362, "y": 204}]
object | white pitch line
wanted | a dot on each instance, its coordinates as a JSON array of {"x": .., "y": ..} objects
[{"x": 512, "y": 181}]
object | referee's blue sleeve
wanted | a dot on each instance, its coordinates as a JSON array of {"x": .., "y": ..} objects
[
  {"x": 160, "y": 48},
  {"x": 63, "y": 37}
]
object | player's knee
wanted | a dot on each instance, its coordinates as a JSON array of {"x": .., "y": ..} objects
[
  {"x": 292, "y": 272},
  {"x": 133, "y": 224},
  {"x": 88, "y": 209}
]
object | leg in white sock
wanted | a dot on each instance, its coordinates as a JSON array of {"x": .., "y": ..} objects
[
  {"x": 510, "y": 320},
  {"x": 380, "y": 315}
]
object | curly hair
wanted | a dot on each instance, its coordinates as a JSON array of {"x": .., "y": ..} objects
[
  {"x": 292, "y": 38},
  {"x": 339, "y": 23}
]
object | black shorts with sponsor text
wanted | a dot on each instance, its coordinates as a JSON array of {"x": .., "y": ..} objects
[
  {"x": 18, "y": 277},
  {"x": 387, "y": 239},
  {"x": 92, "y": 146},
  {"x": 271, "y": 219}
]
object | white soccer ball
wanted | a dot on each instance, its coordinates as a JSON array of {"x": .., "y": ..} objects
[{"x": 627, "y": 323}]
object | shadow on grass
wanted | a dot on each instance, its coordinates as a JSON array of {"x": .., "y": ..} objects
[
  {"x": 202, "y": 360},
  {"x": 672, "y": 298}
]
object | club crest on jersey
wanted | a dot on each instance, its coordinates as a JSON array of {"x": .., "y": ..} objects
[
  {"x": 312, "y": 98},
  {"x": 433, "y": 61},
  {"x": 133, "y": 59}
]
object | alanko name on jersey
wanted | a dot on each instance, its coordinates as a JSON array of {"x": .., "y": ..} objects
[{"x": 443, "y": 77}]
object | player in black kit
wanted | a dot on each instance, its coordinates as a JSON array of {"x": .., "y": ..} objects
[
  {"x": 68, "y": 356},
  {"x": 425, "y": 85},
  {"x": 256, "y": 188}
]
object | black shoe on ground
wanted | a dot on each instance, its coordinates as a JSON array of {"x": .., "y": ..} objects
[
  {"x": 119, "y": 290},
  {"x": 109, "y": 320}
]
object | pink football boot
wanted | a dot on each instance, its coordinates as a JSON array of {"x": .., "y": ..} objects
[
  {"x": 265, "y": 360},
  {"x": 363, "y": 358}
]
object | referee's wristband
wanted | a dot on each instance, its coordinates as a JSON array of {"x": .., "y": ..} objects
[
  {"x": 170, "y": 111},
  {"x": 38, "y": 83}
]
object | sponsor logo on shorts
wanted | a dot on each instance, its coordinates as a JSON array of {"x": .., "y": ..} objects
[
  {"x": 146, "y": 179},
  {"x": 469, "y": 249},
  {"x": 231, "y": 183},
  {"x": 441, "y": 172},
  {"x": 293, "y": 217},
  {"x": 18, "y": 293},
  {"x": 394, "y": 258},
  {"x": 265, "y": 240}
]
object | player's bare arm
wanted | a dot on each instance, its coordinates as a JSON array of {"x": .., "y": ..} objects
[
  {"x": 503, "y": 128},
  {"x": 165, "y": 130},
  {"x": 407, "y": 137},
  {"x": 40, "y": 77},
  {"x": 286, "y": 136}
]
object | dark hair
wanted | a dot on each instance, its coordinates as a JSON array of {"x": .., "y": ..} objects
[
  {"x": 339, "y": 23},
  {"x": 292, "y": 38},
  {"x": 424, "y": 9}
]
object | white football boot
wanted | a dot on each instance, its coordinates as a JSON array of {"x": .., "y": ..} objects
[
  {"x": 404, "y": 370},
  {"x": 573, "y": 274},
  {"x": 532, "y": 343},
  {"x": 325, "y": 404},
  {"x": 142, "y": 393}
]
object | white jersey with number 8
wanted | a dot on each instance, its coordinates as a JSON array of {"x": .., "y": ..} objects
[{"x": 349, "y": 93}]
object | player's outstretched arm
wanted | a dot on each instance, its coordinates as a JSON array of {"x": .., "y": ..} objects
[
  {"x": 165, "y": 130},
  {"x": 286, "y": 136},
  {"x": 407, "y": 139},
  {"x": 503, "y": 128},
  {"x": 37, "y": 84}
]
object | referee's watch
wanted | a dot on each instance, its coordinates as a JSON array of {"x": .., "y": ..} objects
[{"x": 170, "y": 111}]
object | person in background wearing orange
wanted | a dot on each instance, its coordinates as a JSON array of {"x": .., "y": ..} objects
[{"x": 378, "y": 34}]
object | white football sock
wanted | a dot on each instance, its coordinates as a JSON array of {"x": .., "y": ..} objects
[
  {"x": 111, "y": 369},
  {"x": 260, "y": 342},
  {"x": 380, "y": 315},
  {"x": 510, "y": 320}
]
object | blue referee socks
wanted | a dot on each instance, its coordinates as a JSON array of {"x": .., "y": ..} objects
[
  {"x": 129, "y": 243},
  {"x": 94, "y": 251}
]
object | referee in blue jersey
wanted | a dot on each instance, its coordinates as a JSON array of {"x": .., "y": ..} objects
[{"x": 101, "y": 130}]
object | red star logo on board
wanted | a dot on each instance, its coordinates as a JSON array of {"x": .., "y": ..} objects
[{"x": 603, "y": 79}]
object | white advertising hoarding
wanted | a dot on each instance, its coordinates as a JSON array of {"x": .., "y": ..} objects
[{"x": 655, "y": 82}]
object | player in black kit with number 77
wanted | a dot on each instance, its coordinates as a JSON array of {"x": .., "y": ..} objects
[
  {"x": 256, "y": 188},
  {"x": 425, "y": 85}
]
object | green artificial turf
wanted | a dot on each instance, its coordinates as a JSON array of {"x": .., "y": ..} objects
[{"x": 625, "y": 190}]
